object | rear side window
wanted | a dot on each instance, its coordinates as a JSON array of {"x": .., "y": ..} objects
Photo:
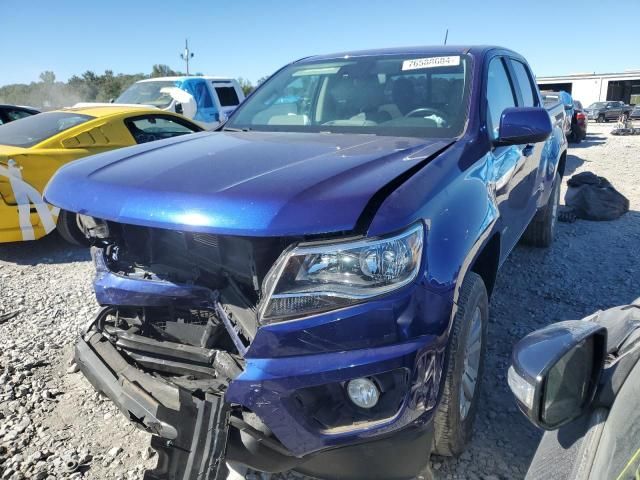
[
  {"x": 499, "y": 95},
  {"x": 227, "y": 96},
  {"x": 525, "y": 84},
  {"x": 35, "y": 128},
  {"x": 154, "y": 127}
]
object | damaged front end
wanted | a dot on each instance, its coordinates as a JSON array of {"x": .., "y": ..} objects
[
  {"x": 185, "y": 346},
  {"x": 179, "y": 312}
]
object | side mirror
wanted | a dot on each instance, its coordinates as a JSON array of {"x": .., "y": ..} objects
[
  {"x": 523, "y": 125},
  {"x": 568, "y": 107},
  {"x": 554, "y": 371}
]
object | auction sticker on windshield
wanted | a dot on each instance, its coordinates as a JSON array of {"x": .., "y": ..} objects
[{"x": 431, "y": 62}]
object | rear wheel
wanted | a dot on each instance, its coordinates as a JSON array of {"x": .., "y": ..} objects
[
  {"x": 541, "y": 230},
  {"x": 71, "y": 228},
  {"x": 465, "y": 363}
]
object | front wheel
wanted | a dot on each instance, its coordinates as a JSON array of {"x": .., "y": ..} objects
[
  {"x": 465, "y": 363},
  {"x": 601, "y": 118},
  {"x": 542, "y": 228},
  {"x": 71, "y": 228}
]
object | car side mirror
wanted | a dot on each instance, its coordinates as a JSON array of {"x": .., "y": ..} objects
[
  {"x": 568, "y": 107},
  {"x": 554, "y": 371},
  {"x": 523, "y": 125}
]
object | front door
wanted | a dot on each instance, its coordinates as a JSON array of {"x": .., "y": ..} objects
[{"x": 515, "y": 166}]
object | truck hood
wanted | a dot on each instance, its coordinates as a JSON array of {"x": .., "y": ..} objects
[{"x": 240, "y": 183}]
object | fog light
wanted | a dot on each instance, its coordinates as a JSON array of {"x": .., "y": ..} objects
[{"x": 363, "y": 392}]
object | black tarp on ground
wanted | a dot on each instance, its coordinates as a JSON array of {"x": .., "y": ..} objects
[{"x": 591, "y": 197}]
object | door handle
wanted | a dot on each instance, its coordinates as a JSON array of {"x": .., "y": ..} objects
[{"x": 528, "y": 150}]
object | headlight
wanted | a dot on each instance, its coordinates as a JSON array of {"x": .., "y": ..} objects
[{"x": 316, "y": 278}]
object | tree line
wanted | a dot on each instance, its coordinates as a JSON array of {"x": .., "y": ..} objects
[{"x": 49, "y": 93}]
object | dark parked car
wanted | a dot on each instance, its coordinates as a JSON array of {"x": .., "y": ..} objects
[
  {"x": 580, "y": 381},
  {"x": 9, "y": 113},
  {"x": 307, "y": 287},
  {"x": 635, "y": 113},
  {"x": 566, "y": 100},
  {"x": 604, "y": 111},
  {"x": 578, "y": 123}
]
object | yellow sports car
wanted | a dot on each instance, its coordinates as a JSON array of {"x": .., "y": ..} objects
[{"x": 33, "y": 148}]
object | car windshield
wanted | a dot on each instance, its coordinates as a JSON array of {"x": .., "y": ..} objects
[
  {"x": 148, "y": 93},
  {"x": 28, "y": 131},
  {"x": 597, "y": 105},
  {"x": 392, "y": 95}
]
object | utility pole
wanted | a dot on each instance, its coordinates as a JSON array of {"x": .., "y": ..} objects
[
  {"x": 446, "y": 35},
  {"x": 187, "y": 54}
]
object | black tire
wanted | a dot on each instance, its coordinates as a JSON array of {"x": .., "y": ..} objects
[
  {"x": 541, "y": 230},
  {"x": 453, "y": 430},
  {"x": 68, "y": 229},
  {"x": 601, "y": 118}
]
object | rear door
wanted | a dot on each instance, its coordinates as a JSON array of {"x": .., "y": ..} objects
[
  {"x": 612, "y": 110},
  {"x": 515, "y": 166}
]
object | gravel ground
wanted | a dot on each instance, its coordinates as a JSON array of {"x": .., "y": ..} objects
[{"x": 53, "y": 425}]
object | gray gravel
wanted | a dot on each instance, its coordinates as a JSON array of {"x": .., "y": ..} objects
[{"x": 53, "y": 425}]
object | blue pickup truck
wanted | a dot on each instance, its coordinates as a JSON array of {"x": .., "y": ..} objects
[{"x": 307, "y": 287}]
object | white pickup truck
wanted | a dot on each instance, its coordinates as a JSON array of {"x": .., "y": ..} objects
[{"x": 204, "y": 99}]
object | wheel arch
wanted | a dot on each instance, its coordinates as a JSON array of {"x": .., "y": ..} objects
[
  {"x": 562, "y": 163},
  {"x": 487, "y": 262}
]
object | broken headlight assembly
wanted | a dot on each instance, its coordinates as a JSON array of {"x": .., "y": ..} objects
[{"x": 325, "y": 276}]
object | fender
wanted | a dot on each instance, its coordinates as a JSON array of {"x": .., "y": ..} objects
[{"x": 459, "y": 210}]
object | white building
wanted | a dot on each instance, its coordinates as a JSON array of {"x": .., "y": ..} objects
[{"x": 592, "y": 87}]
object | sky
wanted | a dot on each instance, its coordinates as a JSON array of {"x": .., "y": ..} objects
[{"x": 253, "y": 38}]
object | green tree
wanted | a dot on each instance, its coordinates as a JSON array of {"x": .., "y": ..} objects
[
  {"x": 245, "y": 85},
  {"x": 48, "y": 77},
  {"x": 160, "y": 70}
]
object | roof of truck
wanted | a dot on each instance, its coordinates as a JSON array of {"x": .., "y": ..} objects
[
  {"x": 184, "y": 77},
  {"x": 417, "y": 50}
]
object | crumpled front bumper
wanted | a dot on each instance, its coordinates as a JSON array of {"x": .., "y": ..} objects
[
  {"x": 194, "y": 433},
  {"x": 293, "y": 380},
  {"x": 190, "y": 431}
]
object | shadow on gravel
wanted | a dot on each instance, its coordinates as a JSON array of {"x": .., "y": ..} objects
[
  {"x": 591, "y": 141},
  {"x": 573, "y": 163},
  {"x": 50, "y": 249},
  {"x": 591, "y": 266}
]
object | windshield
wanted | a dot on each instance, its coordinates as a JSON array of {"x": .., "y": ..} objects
[
  {"x": 394, "y": 95},
  {"x": 597, "y": 105},
  {"x": 148, "y": 93},
  {"x": 28, "y": 131}
]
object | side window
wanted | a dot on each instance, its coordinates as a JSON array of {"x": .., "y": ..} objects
[
  {"x": 499, "y": 95},
  {"x": 529, "y": 98},
  {"x": 227, "y": 96},
  {"x": 14, "y": 114},
  {"x": 155, "y": 127}
]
